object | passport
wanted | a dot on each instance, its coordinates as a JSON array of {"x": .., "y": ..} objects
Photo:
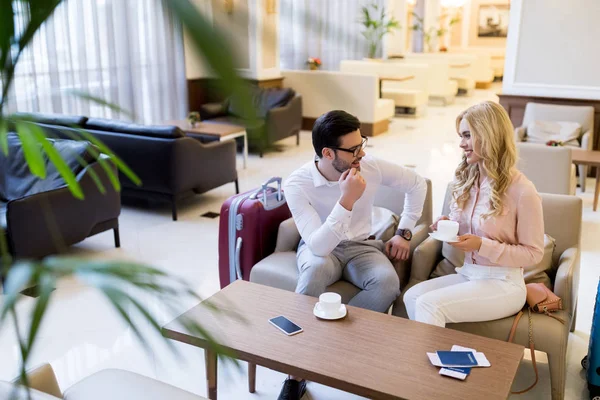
[{"x": 457, "y": 358}]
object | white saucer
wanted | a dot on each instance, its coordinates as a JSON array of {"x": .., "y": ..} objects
[
  {"x": 439, "y": 237},
  {"x": 341, "y": 313}
]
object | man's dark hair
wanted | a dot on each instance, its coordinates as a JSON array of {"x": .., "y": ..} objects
[{"x": 329, "y": 127}]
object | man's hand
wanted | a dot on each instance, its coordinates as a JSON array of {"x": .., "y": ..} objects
[
  {"x": 352, "y": 185},
  {"x": 397, "y": 248},
  {"x": 468, "y": 243},
  {"x": 433, "y": 226}
]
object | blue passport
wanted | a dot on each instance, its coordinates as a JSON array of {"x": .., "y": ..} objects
[
  {"x": 462, "y": 370},
  {"x": 457, "y": 358}
]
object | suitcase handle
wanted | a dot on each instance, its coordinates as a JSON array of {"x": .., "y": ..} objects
[
  {"x": 264, "y": 190},
  {"x": 238, "y": 250}
]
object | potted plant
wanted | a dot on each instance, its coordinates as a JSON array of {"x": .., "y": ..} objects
[
  {"x": 119, "y": 281},
  {"x": 376, "y": 25},
  {"x": 314, "y": 63},
  {"x": 194, "y": 118}
]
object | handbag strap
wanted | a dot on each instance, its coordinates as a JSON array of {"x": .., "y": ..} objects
[{"x": 511, "y": 336}]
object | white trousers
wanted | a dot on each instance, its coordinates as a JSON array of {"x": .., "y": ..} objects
[{"x": 473, "y": 294}]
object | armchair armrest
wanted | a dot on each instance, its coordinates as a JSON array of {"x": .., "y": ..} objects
[
  {"x": 424, "y": 259},
  {"x": 46, "y": 222},
  {"x": 586, "y": 141},
  {"x": 520, "y": 133},
  {"x": 191, "y": 158},
  {"x": 566, "y": 283},
  {"x": 288, "y": 236},
  {"x": 403, "y": 268},
  {"x": 284, "y": 121}
]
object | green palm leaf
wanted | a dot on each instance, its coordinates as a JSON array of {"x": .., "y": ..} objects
[
  {"x": 54, "y": 156},
  {"x": 32, "y": 152}
]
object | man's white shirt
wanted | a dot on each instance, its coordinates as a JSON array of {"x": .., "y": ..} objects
[{"x": 323, "y": 223}]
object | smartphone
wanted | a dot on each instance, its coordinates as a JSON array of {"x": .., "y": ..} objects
[{"x": 285, "y": 325}]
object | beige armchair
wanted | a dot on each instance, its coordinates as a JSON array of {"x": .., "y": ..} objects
[
  {"x": 109, "y": 384},
  {"x": 281, "y": 271},
  {"x": 562, "y": 220},
  {"x": 551, "y": 169},
  {"x": 551, "y": 112}
]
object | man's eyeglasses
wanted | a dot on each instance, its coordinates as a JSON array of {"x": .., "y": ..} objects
[{"x": 356, "y": 149}]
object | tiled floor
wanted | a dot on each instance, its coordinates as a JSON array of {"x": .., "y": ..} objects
[{"x": 81, "y": 334}]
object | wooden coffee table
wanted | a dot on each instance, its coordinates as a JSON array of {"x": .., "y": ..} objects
[
  {"x": 221, "y": 131},
  {"x": 591, "y": 158},
  {"x": 367, "y": 353}
]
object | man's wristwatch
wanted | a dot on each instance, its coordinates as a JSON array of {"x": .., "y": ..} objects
[{"x": 406, "y": 234}]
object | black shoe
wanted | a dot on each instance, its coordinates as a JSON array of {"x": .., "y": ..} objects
[{"x": 292, "y": 390}]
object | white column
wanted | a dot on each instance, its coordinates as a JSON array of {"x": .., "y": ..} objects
[
  {"x": 418, "y": 39},
  {"x": 432, "y": 20},
  {"x": 195, "y": 66},
  {"x": 263, "y": 46},
  {"x": 466, "y": 24},
  {"x": 429, "y": 10},
  {"x": 395, "y": 43},
  {"x": 259, "y": 49}
]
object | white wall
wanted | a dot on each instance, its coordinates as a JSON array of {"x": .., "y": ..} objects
[{"x": 553, "y": 49}]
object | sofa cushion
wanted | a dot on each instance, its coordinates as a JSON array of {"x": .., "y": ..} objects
[
  {"x": 539, "y": 273},
  {"x": 280, "y": 270},
  {"x": 263, "y": 100},
  {"x": 115, "y": 384},
  {"x": 384, "y": 223},
  {"x": 559, "y": 131},
  {"x": 111, "y": 125},
  {"x": 54, "y": 119},
  {"x": 17, "y": 181},
  {"x": 454, "y": 258},
  {"x": 214, "y": 110}
]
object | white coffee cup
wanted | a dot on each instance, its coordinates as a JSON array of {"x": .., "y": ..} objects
[
  {"x": 447, "y": 229},
  {"x": 329, "y": 303}
]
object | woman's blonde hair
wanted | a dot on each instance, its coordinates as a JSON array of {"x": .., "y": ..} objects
[{"x": 492, "y": 130}]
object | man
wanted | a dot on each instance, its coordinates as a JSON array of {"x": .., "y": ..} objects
[{"x": 331, "y": 200}]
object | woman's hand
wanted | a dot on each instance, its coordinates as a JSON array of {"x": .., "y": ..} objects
[
  {"x": 433, "y": 226},
  {"x": 468, "y": 243}
]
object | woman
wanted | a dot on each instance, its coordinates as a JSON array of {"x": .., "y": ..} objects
[{"x": 501, "y": 228}]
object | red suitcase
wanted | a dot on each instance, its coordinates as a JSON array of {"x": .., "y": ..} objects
[{"x": 248, "y": 230}]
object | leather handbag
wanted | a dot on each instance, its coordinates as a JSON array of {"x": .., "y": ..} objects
[{"x": 540, "y": 300}]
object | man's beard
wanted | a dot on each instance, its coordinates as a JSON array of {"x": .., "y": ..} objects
[{"x": 342, "y": 166}]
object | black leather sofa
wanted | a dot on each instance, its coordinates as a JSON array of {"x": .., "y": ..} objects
[
  {"x": 40, "y": 217},
  {"x": 169, "y": 164},
  {"x": 278, "y": 116}
]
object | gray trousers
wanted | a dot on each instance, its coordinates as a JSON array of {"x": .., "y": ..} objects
[{"x": 364, "y": 264}]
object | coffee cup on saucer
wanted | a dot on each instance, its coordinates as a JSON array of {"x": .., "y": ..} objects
[
  {"x": 446, "y": 231},
  {"x": 330, "y": 306}
]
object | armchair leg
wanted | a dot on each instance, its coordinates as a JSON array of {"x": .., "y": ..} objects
[
  {"x": 117, "y": 237},
  {"x": 583, "y": 170},
  {"x": 298, "y": 138},
  {"x": 174, "y": 208},
  {"x": 558, "y": 374},
  {"x": 237, "y": 187},
  {"x": 251, "y": 377},
  {"x": 573, "y": 320}
]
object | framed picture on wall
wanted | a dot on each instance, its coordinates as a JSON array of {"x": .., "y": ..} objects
[{"x": 493, "y": 20}]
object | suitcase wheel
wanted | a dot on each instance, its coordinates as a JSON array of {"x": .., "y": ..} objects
[
  {"x": 584, "y": 363},
  {"x": 594, "y": 392}
]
